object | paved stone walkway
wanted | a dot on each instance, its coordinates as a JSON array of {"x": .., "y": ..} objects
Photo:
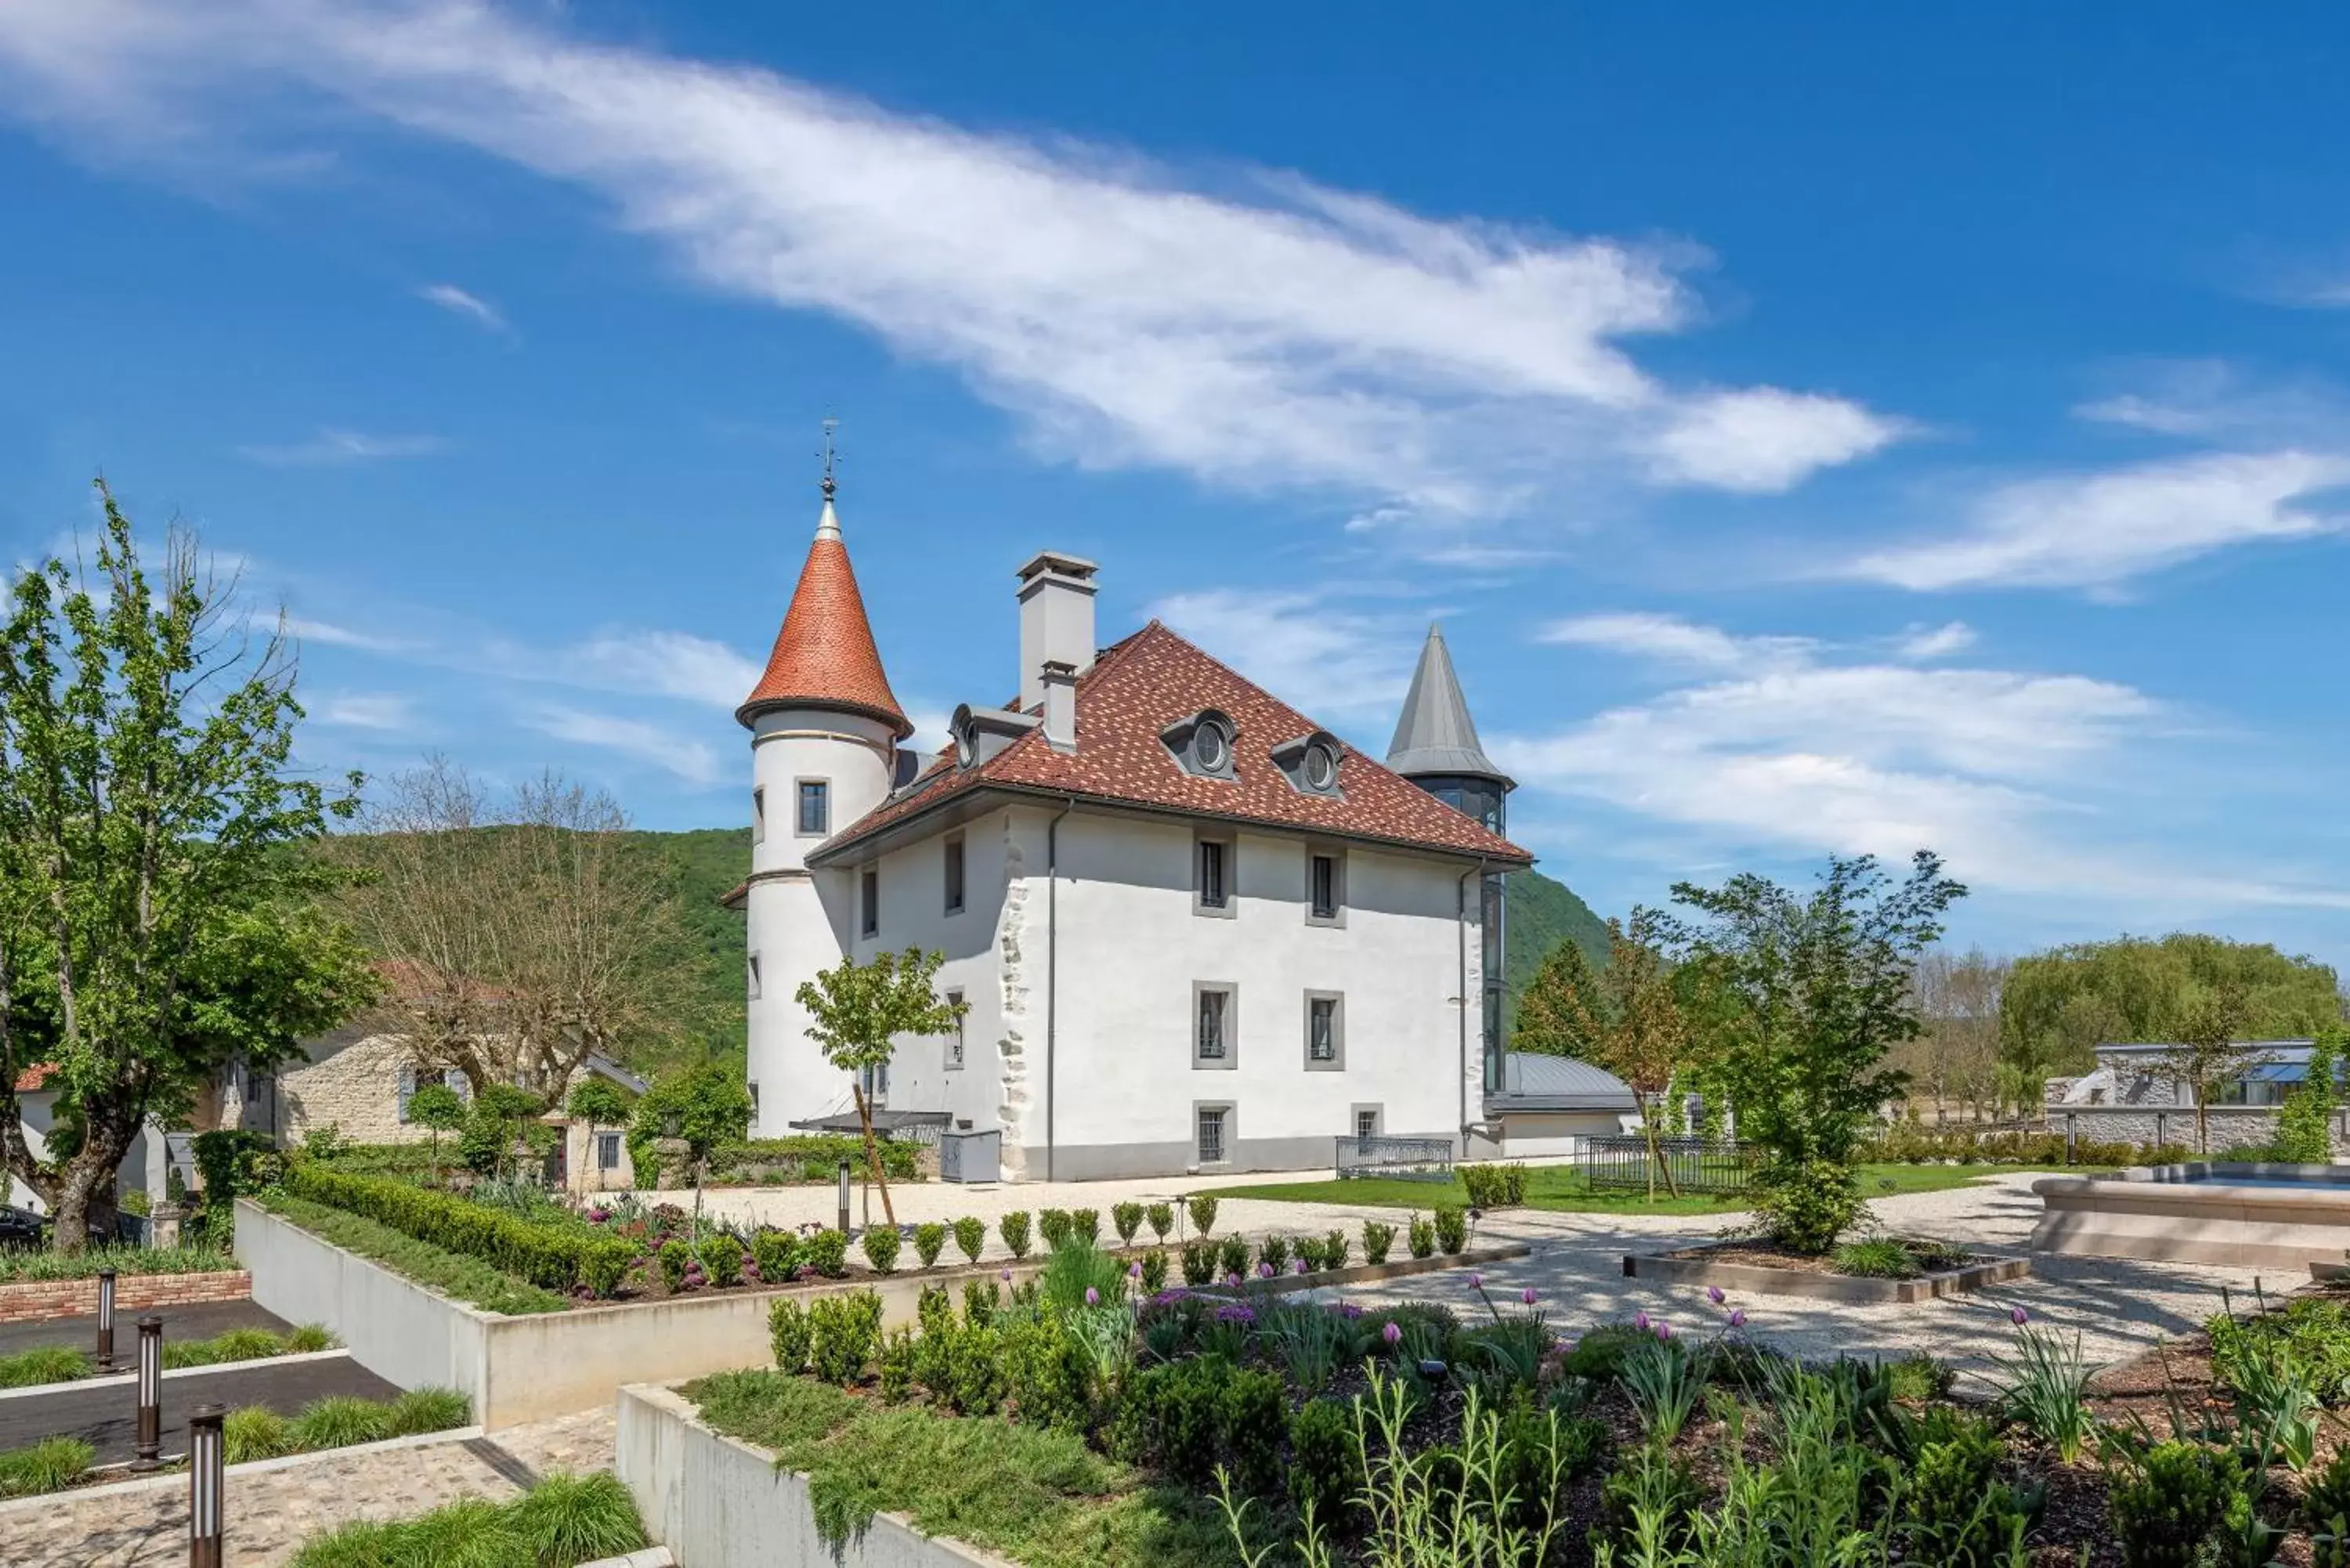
[
  {"x": 106, "y": 1415},
  {"x": 271, "y": 1514},
  {"x": 2117, "y": 1306}
]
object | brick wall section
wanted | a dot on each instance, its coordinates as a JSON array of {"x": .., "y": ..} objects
[{"x": 33, "y": 1300}]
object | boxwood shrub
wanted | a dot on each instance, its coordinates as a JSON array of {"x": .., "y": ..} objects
[{"x": 553, "y": 1259}]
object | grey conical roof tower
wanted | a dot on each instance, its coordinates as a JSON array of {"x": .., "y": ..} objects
[{"x": 1435, "y": 735}]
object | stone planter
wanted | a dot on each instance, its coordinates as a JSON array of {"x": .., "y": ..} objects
[{"x": 1757, "y": 1279}]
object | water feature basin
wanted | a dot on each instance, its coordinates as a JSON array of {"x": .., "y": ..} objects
[{"x": 2246, "y": 1215}]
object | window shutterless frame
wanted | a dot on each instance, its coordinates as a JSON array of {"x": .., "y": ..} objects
[
  {"x": 868, "y": 901},
  {"x": 812, "y": 807},
  {"x": 955, "y": 1040},
  {"x": 1212, "y": 876},
  {"x": 1212, "y": 1135},
  {"x": 1325, "y": 1031},
  {"x": 953, "y": 873},
  {"x": 1215, "y": 1025}
]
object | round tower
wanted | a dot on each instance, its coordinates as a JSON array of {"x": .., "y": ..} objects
[
  {"x": 1436, "y": 747},
  {"x": 825, "y": 729}
]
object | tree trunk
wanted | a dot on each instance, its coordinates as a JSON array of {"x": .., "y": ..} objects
[
  {"x": 1657, "y": 1161},
  {"x": 873, "y": 1151}
]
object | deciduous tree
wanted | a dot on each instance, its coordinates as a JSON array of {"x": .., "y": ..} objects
[
  {"x": 521, "y": 932},
  {"x": 701, "y": 1107},
  {"x": 860, "y": 1009},
  {"x": 1813, "y": 991},
  {"x": 157, "y": 920},
  {"x": 1622, "y": 1018}
]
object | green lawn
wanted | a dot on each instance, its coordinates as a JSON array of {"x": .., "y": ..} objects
[
  {"x": 1561, "y": 1187},
  {"x": 1039, "y": 1497}
]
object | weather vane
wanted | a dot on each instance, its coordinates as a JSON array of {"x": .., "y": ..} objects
[{"x": 831, "y": 457}]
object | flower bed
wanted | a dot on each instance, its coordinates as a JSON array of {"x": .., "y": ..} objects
[{"x": 1381, "y": 1435}]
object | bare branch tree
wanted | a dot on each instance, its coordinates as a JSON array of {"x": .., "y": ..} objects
[
  {"x": 520, "y": 932},
  {"x": 1957, "y": 1055}
]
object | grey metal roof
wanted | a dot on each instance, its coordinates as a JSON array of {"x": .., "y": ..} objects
[
  {"x": 1435, "y": 733},
  {"x": 1533, "y": 1082}
]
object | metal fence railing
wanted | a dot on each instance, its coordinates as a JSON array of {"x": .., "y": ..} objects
[
  {"x": 1696, "y": 1164},
  {"x": 1413, "y": 1158}
]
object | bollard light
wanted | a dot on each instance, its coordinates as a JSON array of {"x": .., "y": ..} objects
[
  {"x": 150, "y": 1394},
  {"x": 207, "y": 1486},
  {"x": 844, "y": 1198},
  {"x": 106, "y": 1320}
]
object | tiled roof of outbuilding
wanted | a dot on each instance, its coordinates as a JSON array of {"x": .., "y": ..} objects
[{"x": 1153, "y": 679}]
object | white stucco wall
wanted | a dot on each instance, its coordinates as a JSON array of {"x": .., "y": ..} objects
[
  {"x": 1130, "y": 948},
  {"x": 142, "y": 1163},
  {"x": 797, "y": 921}
]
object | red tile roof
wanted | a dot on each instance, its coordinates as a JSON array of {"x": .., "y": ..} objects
[
  {"x": 36, "y": 1078},
  {"x": 823, "y": 656},
  {"x": 1147, "y": 683}
]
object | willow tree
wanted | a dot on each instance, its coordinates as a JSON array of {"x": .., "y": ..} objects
[
  {"x": 1624, "y": 1018},
  {"x": 158, "y": 921},
  {"x": 859, "y": 1010}
]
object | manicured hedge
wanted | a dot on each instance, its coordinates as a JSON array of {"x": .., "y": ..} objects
[{"x": 551, "y": 1258}]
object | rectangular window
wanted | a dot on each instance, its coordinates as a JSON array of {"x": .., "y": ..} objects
[
  {"x": 815, "y": 807},
  {"x": 753, "y": 1086},
  {"x": 755, "y": 976},
  {"x": 869, "y": 901},
  {"x": 608, "y": 1151},
  {"x": 1321, "y": 887},
  {"x": 1367, "y": 1124},
  {"x": 1215, "y": 1022},
  {"x": 955, "y": 873},
  {"x": 877, "y": 1083},
  {"x": 1322, "y": 1028},
  {"x": 758, "y": 816},
  {"x": 1211, "y": 885},
  {"x": 1211, "y": 1134},
  {"x": 954, "y": 1041}
]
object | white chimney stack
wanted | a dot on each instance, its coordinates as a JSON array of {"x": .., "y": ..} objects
[
  {"x": 1060, "y": 706},
  {"x": 1056, "y": 622}
]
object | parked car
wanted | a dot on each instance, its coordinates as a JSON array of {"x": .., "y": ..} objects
[{"x": 21, "y": 1228}]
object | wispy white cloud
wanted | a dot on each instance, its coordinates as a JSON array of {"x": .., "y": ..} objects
[
  {"x": 688, "y": 758},
  {"x": 333, "y": 635},
  {"x": 2100, "y": 530},
  {"x": 2214, "y": 400},
  {"x": 459, "y": 302},
  {"x": 366, "y": 711},
  {"x": 1312, "y": 651},
  {"x": 1764, "y": 439},
  {"x": 1252, "y": 329},
  {"x": 1923, "y": 644},
  {"x": 1787, "y": 745},
  {"x": 656, "y": 663},
  {"x": 334, "y": 447},
  {"x": 1675, "y": 640}
]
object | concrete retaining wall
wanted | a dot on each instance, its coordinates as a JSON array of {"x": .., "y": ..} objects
[
  {"x": 718, "y": 1502},
  {"x": 401, "y": 1331}
]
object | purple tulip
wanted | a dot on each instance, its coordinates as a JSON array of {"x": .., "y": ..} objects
[
  {"x": 1297, "y": 1266},
  {"x": 1134, "y": 1270},
  {"x": 1738, "y": 1317},
  {"x": 1476, "y": 1282},
  {"x": 1528, "y": 1295},
  {"x": 1640, "y": 1322},
  {"x": 1007, "y": 1276},
  {"x": 1664, "y": 1330},
  {"x": 1093, "y": 1296},
  {"x": 2019, "y": 1317},
  {"x": 1393, "y": 1333},
  {"x": 1713, "y": 1294},
  {"x": 1233, "y": 1278},
  {"x": 1264, "y": 1270}
]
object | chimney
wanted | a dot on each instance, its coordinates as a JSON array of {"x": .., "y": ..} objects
[
  {"x": 1060, "y": 705},
  {"x": 1057, "y": 620}
]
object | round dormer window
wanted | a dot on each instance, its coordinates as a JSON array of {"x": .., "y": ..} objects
[
  {"x": 1212, "y": 746},
  {"x": 1321, "y": 767}
]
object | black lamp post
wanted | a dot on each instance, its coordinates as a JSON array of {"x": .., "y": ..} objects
[
  {"x": 150, "y": 1394},
  {"x": 106, "y": 1319},
  {"x": 207, "y": 1486}
]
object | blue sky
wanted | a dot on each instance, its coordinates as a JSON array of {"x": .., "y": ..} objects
[{"x": 1818, "y": 429}]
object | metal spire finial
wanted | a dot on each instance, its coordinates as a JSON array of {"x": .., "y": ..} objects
[{"x": 831, "y": 458}]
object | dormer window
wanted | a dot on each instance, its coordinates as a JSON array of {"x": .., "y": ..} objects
[
  {"x": 1310, "y": 763},
  {"x": 1203, "y": 743}
]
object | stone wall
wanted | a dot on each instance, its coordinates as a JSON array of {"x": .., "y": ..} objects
[
  {"x": 2230, "y": 1125},
  {"x": 35, "y": 1300}
]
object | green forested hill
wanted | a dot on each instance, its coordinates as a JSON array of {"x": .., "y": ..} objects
[
  {"x": 700, "y": 866},
  {"x": 1543, "y": 913}
]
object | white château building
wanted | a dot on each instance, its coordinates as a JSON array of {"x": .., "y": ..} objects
[{"x": 1193, "y": 928}]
